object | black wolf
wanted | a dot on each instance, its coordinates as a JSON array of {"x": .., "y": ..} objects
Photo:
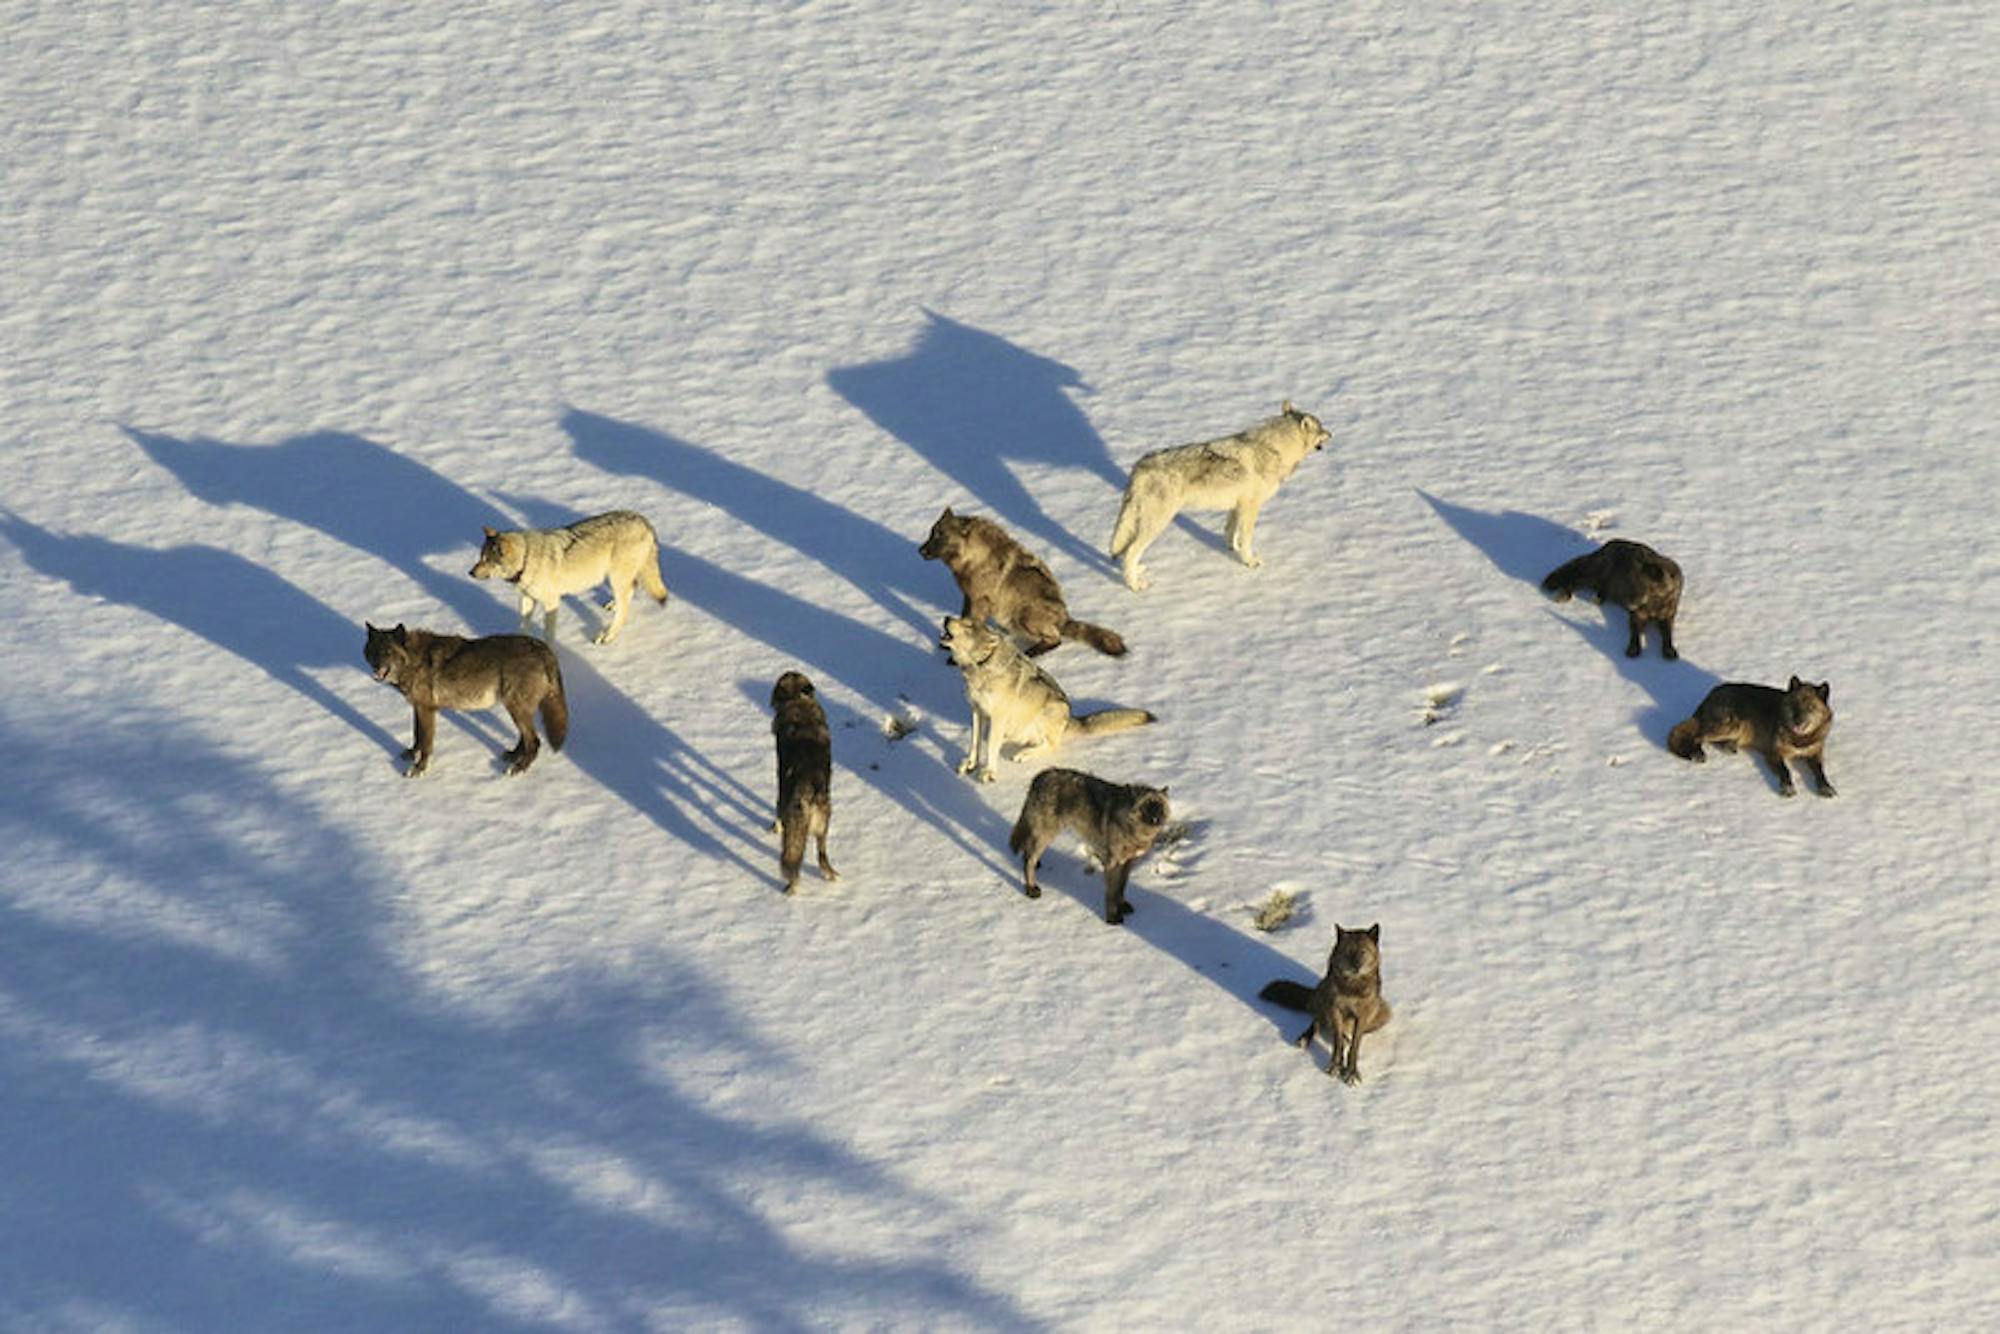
[
  {"x": 1635, "y": 577},
  {"x": 1778, "y": 724},
  {"x": 805, "y": 773},
  {"x": 434, "y": 672},
  {"x": 1118, "y": 821},
  {"x": 1346, "y": 1003}
]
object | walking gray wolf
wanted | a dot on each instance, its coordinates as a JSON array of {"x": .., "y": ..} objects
[
  {"x": 1118, "y": 821},
  {"x": 1346, "y": 1003},
  {"x": 1633, "y": 576},
  {"x": 1778, "y": 724},
  {"x": 1238, "y": 473},
  {"x": 805, "y": 774},
  {"x": 1005, "y": 582},
  {"x": 435, "y": 672},
  {"x": 547, "y": 564},
  {"x": 1013, "y": 699}
]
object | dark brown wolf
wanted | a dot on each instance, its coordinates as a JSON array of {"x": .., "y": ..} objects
[
  {"x": 1003, "y": 581},
  {"x": 1119, "y": 822},
  {"x": 1778, "y": 724},
  {"x": 805, "y": 774},
  {"x": 1346, "y": 1003},
  {"x": 1633, "y": 576},
  {"x": 434, "y": 672}
]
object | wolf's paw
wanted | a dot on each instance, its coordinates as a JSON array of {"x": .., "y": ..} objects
[
  {"x": 604, "y": 637},
  {"x": 1634, "y": 650},
  {"x": 985, "y": 775},
  {"x": 409, "y": 752},
  {"x": 777, "y": 827},
  {"x": 1032, "y": 891},
  {"x": 1825, "y": 789},
  {"x": 1670, "y": 653},
  {"x": 830, "y": 875},
  {"x": 1787, "y": 790},
  {"x": 1252, "y": 561},
  {"x": 416, "y": 770},
  {"x": 1350, "y": 1077},
  {"x": 1138, "y": 580},
  {"x": 965, "y": 766}
]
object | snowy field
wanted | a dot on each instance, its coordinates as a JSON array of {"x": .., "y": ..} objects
[{"x": 294, "y": 298}]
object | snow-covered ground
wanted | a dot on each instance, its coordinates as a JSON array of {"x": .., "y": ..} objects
[{"x": 294, "y": 298}]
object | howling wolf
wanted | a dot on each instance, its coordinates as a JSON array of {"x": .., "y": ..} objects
[{"x": 1238, "y": 473}]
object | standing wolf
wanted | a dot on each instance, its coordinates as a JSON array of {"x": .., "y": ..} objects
[
  {"x": 1119, "y": 822},
  {"x": 451, "y": 672},
  {"x": 1633, "y": 576},
  {"x": 1346, "y": 1003},
  {"x": 1003, "y": 581},
  {"x": 1778, "y": 724},
  {"x": 1238, "y": 473},
  {"x": 1013, "y": 699},
  {"x": 805, "y": 773},
  {"x": 547, "y": 564}
]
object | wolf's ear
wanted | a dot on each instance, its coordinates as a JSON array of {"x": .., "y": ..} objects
[
  {"x": 1825, "y": 691},
  {"x": 1375, "y": 932},
  {"x": 399, "y": 634},
  {"x": 488, "y": 531},
  {"x": 1794, "y": 683},
  {"x": 1287, "y": 410},
  {"x": 947, "y": 513}
]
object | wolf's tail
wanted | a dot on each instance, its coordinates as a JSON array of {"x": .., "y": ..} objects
[
  {"x": 1565, "y": 577},
  {"x": 650, "y": 577},
  {"x": 1685, "y": 739},
  {"x": 1128, "y": 524},
  {"x": 1292, "y": 995},
  {"x": 555, "y": 712},
  {"x": 1099, "y": 638},
  {"x": 1111, "y": 720}
]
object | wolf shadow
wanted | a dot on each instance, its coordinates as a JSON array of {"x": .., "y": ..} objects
[
  {"x": 880, "y": 562},
  {"x": 1527, "y": 547},
  {"x": 233, "y": 603},
  {"x": 355, "y": 491},
  {"x": 972, "y": 405}
]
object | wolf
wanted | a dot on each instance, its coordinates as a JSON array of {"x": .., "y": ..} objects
[
  {"x": 805, "y": 773},
  {"x": 1632, "y": 575},
  {"x": 546, "y": 564},
  {"x": 1013, "y": 699},
  {"x": 1346, "y": 1003},
  {"x": 1778, "y": 724},
  {"x": 1003, "y": 581},
  {"x": 1237, "y": 473},
  {"x": 451, "y": 672},
  {"x": 1119, "y": 822}
]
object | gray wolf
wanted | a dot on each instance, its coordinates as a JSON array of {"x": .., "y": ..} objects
[
  {"x": 805, "y": 773},
  {"x": 1013, "y": 699},
  {"x": 1631, "y": 575},
  {"x": 1237, "y": 473},
  {"x": 1119, "y": 822},
  {"x": 1346, "y": 1003},
  {"x": 1778, "y": 724},
  {"x": 547, "y": 564},
  {"x": 1003, "y": 581},
  {"x": 435, "y": 672}
]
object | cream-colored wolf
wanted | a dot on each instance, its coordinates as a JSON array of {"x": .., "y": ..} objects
[
  {"x": 1013, "y": 699},
  {"x": 1238, "y": 473},
  {"x": 547, "y": 564}
]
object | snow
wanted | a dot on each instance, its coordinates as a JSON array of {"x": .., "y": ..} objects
[{"x": 296, "y": 298}]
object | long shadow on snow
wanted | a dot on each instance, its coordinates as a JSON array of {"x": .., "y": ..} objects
[
  {"x": 1526, "y": 547},
  {"x": 355, "y": 491},
  {"x": 234, "y": 604},
  {"x": 969, "y": 402},
  {"x": 222, "y": 1098},
  {"x": 879, "y": 561}
]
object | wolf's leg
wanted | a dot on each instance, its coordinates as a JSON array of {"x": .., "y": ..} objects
[
  {"x": 549, "y": 621},
  {"x": 975, "y": 747},
  {"x": 1781, "y": 769},
  {"x": 1818, "y": 767},
  {"x": 1634, "y": 645},
  {"x": 527, "y": 613},
  {"x": 1242, "y": 529},
  {"x": 621, "y": 603},
  {"x": 1350, "y": 1072},
  {"x": 1667, "y": 649},
  {"x": 1031, "y": 857},
  {"x": 1116, "y": 909},
  {"x": 426, "y": 729},
  {"x": 530, "y": 745},
  {"x": 825, "y": 867},
  {"x": 1148, "y": 527},
  {"x": 1305, "y": 1040}
]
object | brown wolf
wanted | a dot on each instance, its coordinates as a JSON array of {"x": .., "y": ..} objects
[
  {"x": 1631, "y": 575},
  {"x": 1003, "y": 581},
  {"x": 1778, "y": 724},
  {"x": 1346, "y": 1003},
  {"x": 805, "y": 773},
  {"x": 1119, "y": 822},
  {"x": 451, "y": 672}
]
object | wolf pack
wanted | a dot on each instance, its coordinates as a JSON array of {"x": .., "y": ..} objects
[{"x": 1013, "y": 613}]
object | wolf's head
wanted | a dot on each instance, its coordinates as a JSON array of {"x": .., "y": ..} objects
[
  {"x": 968, "y": 642},
  {"x": 387, "y": 651},
  {"x": 1151, "y": 808},
  {"x": 501, "y": 556},
  {"x": 1357, "y": 955},
  {"x": 1308, "y": 426},
  {"x": 1808, "y": 709},
  {"x": 946, "y": 535},
  {"x": 791, "y": 686}
]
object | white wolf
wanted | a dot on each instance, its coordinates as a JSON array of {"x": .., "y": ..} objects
[
  {"x": 1013, "y": 699},
  {"x": 1238, "y": 473},
  {"x": 546, "y": 564}
]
